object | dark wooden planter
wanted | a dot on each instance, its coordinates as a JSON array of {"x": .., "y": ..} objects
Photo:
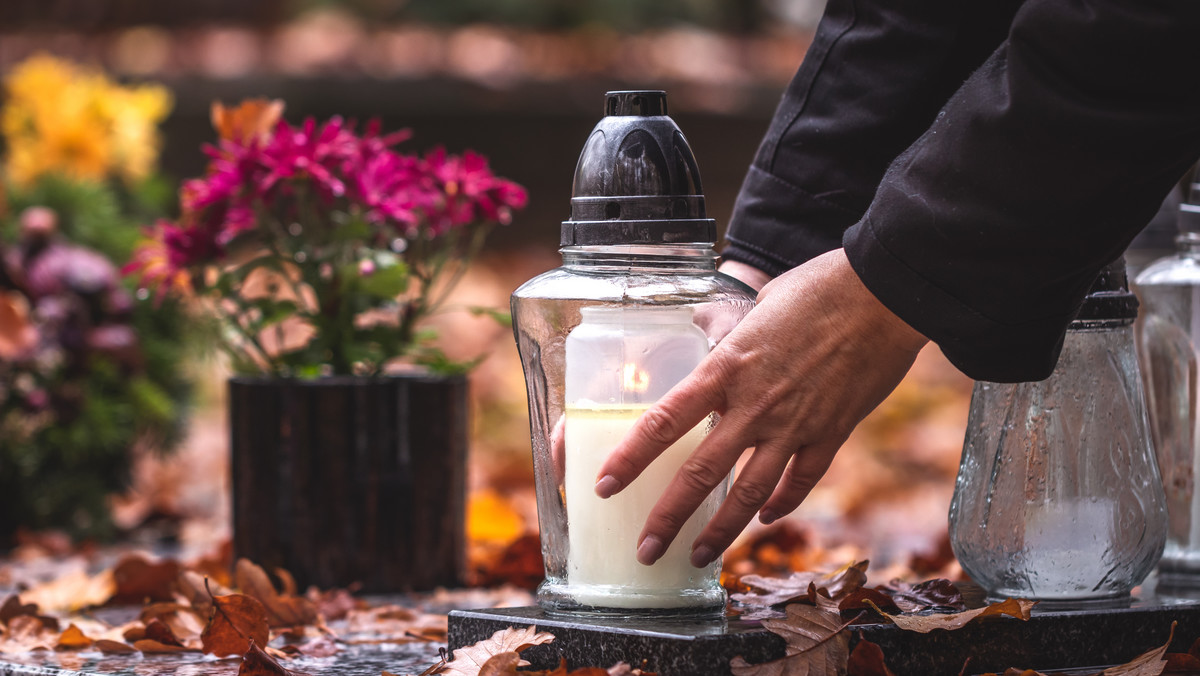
[{"x": 351, "y": 480}]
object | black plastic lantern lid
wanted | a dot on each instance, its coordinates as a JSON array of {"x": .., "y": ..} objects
[
  {"x": 637, "y": 181},
  {"x": 1109, "y": 300}
]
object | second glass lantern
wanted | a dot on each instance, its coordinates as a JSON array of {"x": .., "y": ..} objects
[{"x": 636, "y": 305}]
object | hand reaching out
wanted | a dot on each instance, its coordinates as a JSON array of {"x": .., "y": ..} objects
[{"x": 813, "y": 358}]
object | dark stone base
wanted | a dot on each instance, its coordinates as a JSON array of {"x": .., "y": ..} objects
[{"x": 1052, "y": 639}]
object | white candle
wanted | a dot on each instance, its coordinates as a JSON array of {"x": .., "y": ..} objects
[{"x": 602, "y": 566}]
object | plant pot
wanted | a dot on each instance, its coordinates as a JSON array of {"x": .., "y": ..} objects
[{"x": 349, "y": 480}]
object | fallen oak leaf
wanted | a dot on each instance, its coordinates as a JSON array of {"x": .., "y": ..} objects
[
  {"x": 157, "y": 630},
  {"x": 151, "y": 647},
  {"x": 113, "y": 647},
  {"x": 238, "y": 621},
  {"x": 256, "y": 662},
  {"x": 73, "y": 639},
  {"x": 14, "y": 608},
  {"x": 857, "y": 600},
  {"x": 867, "y": 660},
  {"x": 1151, "y": 663},
  {"x": 139, "y": 580},
  {"x": 816, "y": 644},
  {"x": 774, "y": 591},
  {"x": 283, "y": 610},
  {"x": 1018, "y": 608},
  {"x": 501, "y": 664},
  {"x": 937, "y": 593},
  {"x": 468, "y": 660}
]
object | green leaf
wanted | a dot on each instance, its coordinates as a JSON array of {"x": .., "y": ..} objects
[
  {"x": 386, "y": 282},
  {"x": 501, "y": 317}
]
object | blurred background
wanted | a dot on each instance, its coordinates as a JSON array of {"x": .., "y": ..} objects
[{"x": 522, "y": 82}]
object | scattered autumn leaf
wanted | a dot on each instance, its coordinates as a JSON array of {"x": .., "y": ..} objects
[
  {"x": 815, "y": 641},
  {"x": 773, "y": 591},
  {"x": 283, "y": 610},
  {"x": 867, "y": 660},
  {"x": 152, "y": 647},
  {"x": 72, "y": 592},
  {"x": 138, "y": 580},
  {"x": 156, "y": 630},
  {"x": 256, "y": 662},
  {"x": 858, "y": 600},
  {"x": 468, "y": 660},
  {"x": 1150, "y": 663},
  {"x": 13, "y": 608},
  {"x": 73, "y": 639},
  {"x": 236, "y": 622},
  {"x": 501, "y": 664},
  {"x": 1018, "y": 608},
  {"x": 334, "y": 604},
  {"x": 113, "y": 647},
  {"x": 939, "y": 593}
]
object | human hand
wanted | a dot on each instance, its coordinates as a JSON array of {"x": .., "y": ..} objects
[{"x": 816, "y": 354}]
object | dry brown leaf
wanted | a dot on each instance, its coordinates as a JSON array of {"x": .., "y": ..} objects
[
  {"x": 152, "y": 647},
  {"x": 27, "y": 633},
  {"x": 14, "y": 608},
  {"x": 468, "y": 660},
  {"x": 1018, "y": 608},
  {"x": 816, "y": 645},
  {"x": 258, "y": 663},
  {"x": 867, "y": 660},
  {"x": 72, "y": 592},
  {"x": 501, "y": 664},
  {"x": 73, "y": 639},
  {"x": 237, "y": 620},
  {"x": 857, "y": 600},
  {"x": 139, "y": 580},
  {"x": 283, "y": 610},
  {"x": 939, "y": 593},
  {"x": 1150, "y": 663},
  {"x": 113, "y": 647},
  {"x": 158, "y": 631},
  {"x": 334, "y": 604},
  {"x": 772, "y": 591}
]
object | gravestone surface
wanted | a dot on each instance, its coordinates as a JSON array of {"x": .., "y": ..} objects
[{"x": 1051, "y": 639}]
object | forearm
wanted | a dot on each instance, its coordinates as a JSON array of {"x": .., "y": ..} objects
[
  {"x": 986, "y": 233},
  {"x": 872, "y": 82}
]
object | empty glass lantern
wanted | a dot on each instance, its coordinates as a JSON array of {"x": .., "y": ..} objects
[
  {"x": 1058, "y": 497},
  {"x": 636, "y": 305},
  {"x": 1169, "y": 331}
]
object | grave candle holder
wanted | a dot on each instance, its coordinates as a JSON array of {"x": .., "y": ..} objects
[{"x": 636, "y": 305}]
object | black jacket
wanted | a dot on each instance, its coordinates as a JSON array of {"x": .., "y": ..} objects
[{"x": 979, "y": 161}]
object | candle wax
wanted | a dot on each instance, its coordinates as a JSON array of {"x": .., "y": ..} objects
[{"x": 602, "y": 566}]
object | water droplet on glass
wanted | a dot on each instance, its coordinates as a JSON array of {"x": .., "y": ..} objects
[
  {"x": 294, "y": 229},
  {"x": 143, "y": 294},
  {"x": 399, "y": 244},
  {"x": 301, "y": 257}
]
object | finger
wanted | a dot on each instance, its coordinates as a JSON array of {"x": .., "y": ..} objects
[
  {"x": 753, "y": 486},
  {"x": 661, "y": 425},
  {"x": 806, "y": 468},
  {"x": 707, "y": 467}
]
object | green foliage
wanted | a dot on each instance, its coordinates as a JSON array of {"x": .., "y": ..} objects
[{"x": 60, "y": 461}]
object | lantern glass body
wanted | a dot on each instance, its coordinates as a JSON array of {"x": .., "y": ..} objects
[
  {"x": 1170, "y": 294},
  {"x": 1058, "y": 496},
  {"x": 602, "y": 338}
]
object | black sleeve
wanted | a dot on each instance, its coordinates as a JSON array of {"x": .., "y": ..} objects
[
  {"x": 986, "y": 232},
  {"x": 873, "y": 80}
]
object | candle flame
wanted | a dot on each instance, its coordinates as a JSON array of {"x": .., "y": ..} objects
[{"x": 635, "y": 379}]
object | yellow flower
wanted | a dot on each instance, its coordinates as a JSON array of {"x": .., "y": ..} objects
[{"x": 68, "y": 119}]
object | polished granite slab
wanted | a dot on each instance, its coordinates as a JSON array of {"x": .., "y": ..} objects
[{"x": 1051, "y": 639}]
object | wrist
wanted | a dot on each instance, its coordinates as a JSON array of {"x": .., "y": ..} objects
[{"x": 746, "y": 274}]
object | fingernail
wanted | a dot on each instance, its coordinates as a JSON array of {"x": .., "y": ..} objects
[
  {"x": 702, "y": 556},
  {"x": 649, "y": 551},
  {"x": 607, "y": 486},
  {"x": 768, "y": 517}
]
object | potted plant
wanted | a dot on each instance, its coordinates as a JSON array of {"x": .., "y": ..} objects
[{"x": 320, "y": 250}]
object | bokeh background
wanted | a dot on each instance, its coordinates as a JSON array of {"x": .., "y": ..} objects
[{"x": 521, "y": 81}]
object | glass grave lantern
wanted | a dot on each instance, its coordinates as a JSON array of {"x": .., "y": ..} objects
[
  {"x": 636, "y": 305},
  {"x": 1058, "y": 497},
  {"x": 1170, "y": 343}
]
